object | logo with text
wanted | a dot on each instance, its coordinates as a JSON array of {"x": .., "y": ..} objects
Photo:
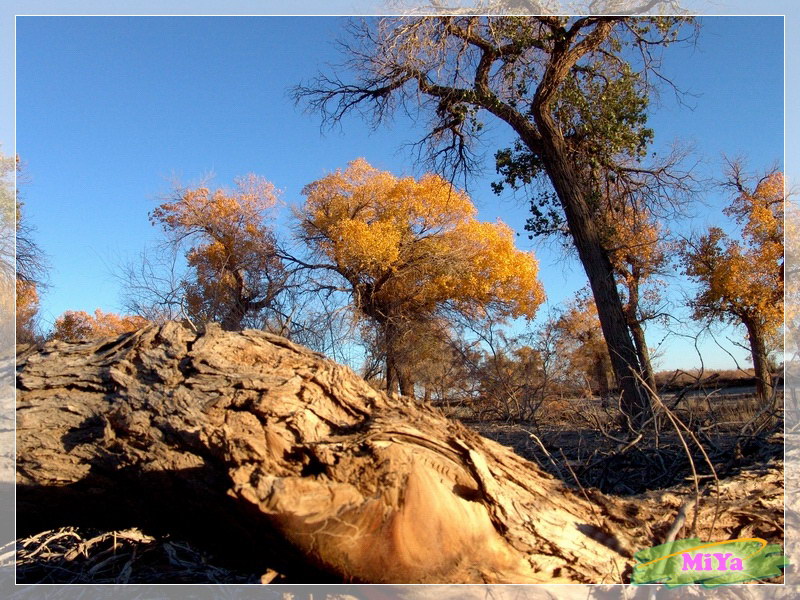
[{"x": 684, "y": 562}]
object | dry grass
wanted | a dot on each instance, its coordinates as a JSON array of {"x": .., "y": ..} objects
[
  {"x": 71, "y": 555},
  {"x": 583, "y": 435}
]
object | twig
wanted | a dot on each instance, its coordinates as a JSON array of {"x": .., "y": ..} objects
[
  {"x": 580, "y": 487},
  {"x": 675, "y": 421},
  {"x": 547, "y": 454}
]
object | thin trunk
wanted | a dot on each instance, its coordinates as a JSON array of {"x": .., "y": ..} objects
[
  {"x": 234, "y": 317},
  {"x": 392, "y": 373},
  {"x": 406, "y": 381},
  {"x": 398, "y": 372},
  {"x": 758, "y": 350},
  {"x": 600, "y": 375},
  {"x": 637, "y": 331}
]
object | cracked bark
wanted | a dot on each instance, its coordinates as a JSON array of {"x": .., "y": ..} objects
[{"x": 268, "y": 454}]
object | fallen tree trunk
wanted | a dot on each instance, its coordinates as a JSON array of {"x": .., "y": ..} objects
[{"x": 266, "y": 453}]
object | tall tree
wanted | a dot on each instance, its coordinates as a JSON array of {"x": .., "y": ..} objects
[
  {"x": 741, "y": 280},
  {"x": 570, "y": 88},
  {"x": 407, "y": 248},
  {"x": 234, "y": 270},
  {"x": 635, "y": 238}
]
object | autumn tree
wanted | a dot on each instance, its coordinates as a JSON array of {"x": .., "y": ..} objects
[
  {"x": 579, "y": 342},
  {"x": 234, "y": 274},
  {"x": 23, "y": 261},
  {"x": 405, "y": 249},
  {"x": 637, "y": 241},
  {"x": 29, "y": 280},
  {"x": 573, "y": 89},
  {"x": 639, "y": 250},
  {"x": 79, "y": 326},
  {"x": 741, "y": 280}
]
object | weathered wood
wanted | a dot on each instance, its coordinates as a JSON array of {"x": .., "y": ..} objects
[{"x": 262, "y": 451}]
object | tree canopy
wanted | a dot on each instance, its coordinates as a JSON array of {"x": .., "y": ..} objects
[
  {"x": 79, "y": 326},
  {"x": 575, "y": 91},
  {"x": 579, "y": 343},
  {"x": 407, "y": 248},
  {"x": 741, "y": 280},
  {"x": 234, "y": 271}
]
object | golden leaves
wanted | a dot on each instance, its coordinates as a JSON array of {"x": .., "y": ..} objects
[
  {"x": 27, "y": 306},
  {"x": 744, "y": 279},
  {"x": 579, "y": 340},
  {"x": 231, "y": 246},
  {"x": 416, "y": 244},
  {"x": 636, "y": 241},
  {"x": 79, "y": 326}
]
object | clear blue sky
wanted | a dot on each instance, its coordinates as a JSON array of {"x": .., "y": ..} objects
[{"x": 110, "y": 108}]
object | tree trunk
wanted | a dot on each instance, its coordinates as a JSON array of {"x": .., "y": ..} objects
[
  {"x": 758, "y": 351},
  {"x": 262, "y": 450},
  {"x": 600, "y": 272},
  {"x": 637, "y": 331},
  {"x": 399, "y": 372},
  {"x": 267, "y": 454},
  {"x": 391, "y": 375},
  {"x": 601, "y": 375},
  {"x": 406, "y": 381},
  {"x": 234, "y": 315},
  {"x": 574, "y": 193}
]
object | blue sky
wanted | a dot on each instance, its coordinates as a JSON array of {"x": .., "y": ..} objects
[{"x": 110, "y": 109}]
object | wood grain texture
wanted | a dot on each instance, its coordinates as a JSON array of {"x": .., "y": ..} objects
[{"x": 266, "y": 453}]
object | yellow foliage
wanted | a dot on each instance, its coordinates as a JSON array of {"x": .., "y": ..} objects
[
  {"x": 27, "y": 305},
  {"x": 79, "y": 326},
  {"x": 636, "y": 243},
  {"x": 407, "y": 246},
  {"x": 232, "y": 256},
  {"x": 743, "y": 279},
  {"x": 580, "y": 342}
]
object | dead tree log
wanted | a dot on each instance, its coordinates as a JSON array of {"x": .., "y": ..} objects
[{"x": 260, "y": 451}]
